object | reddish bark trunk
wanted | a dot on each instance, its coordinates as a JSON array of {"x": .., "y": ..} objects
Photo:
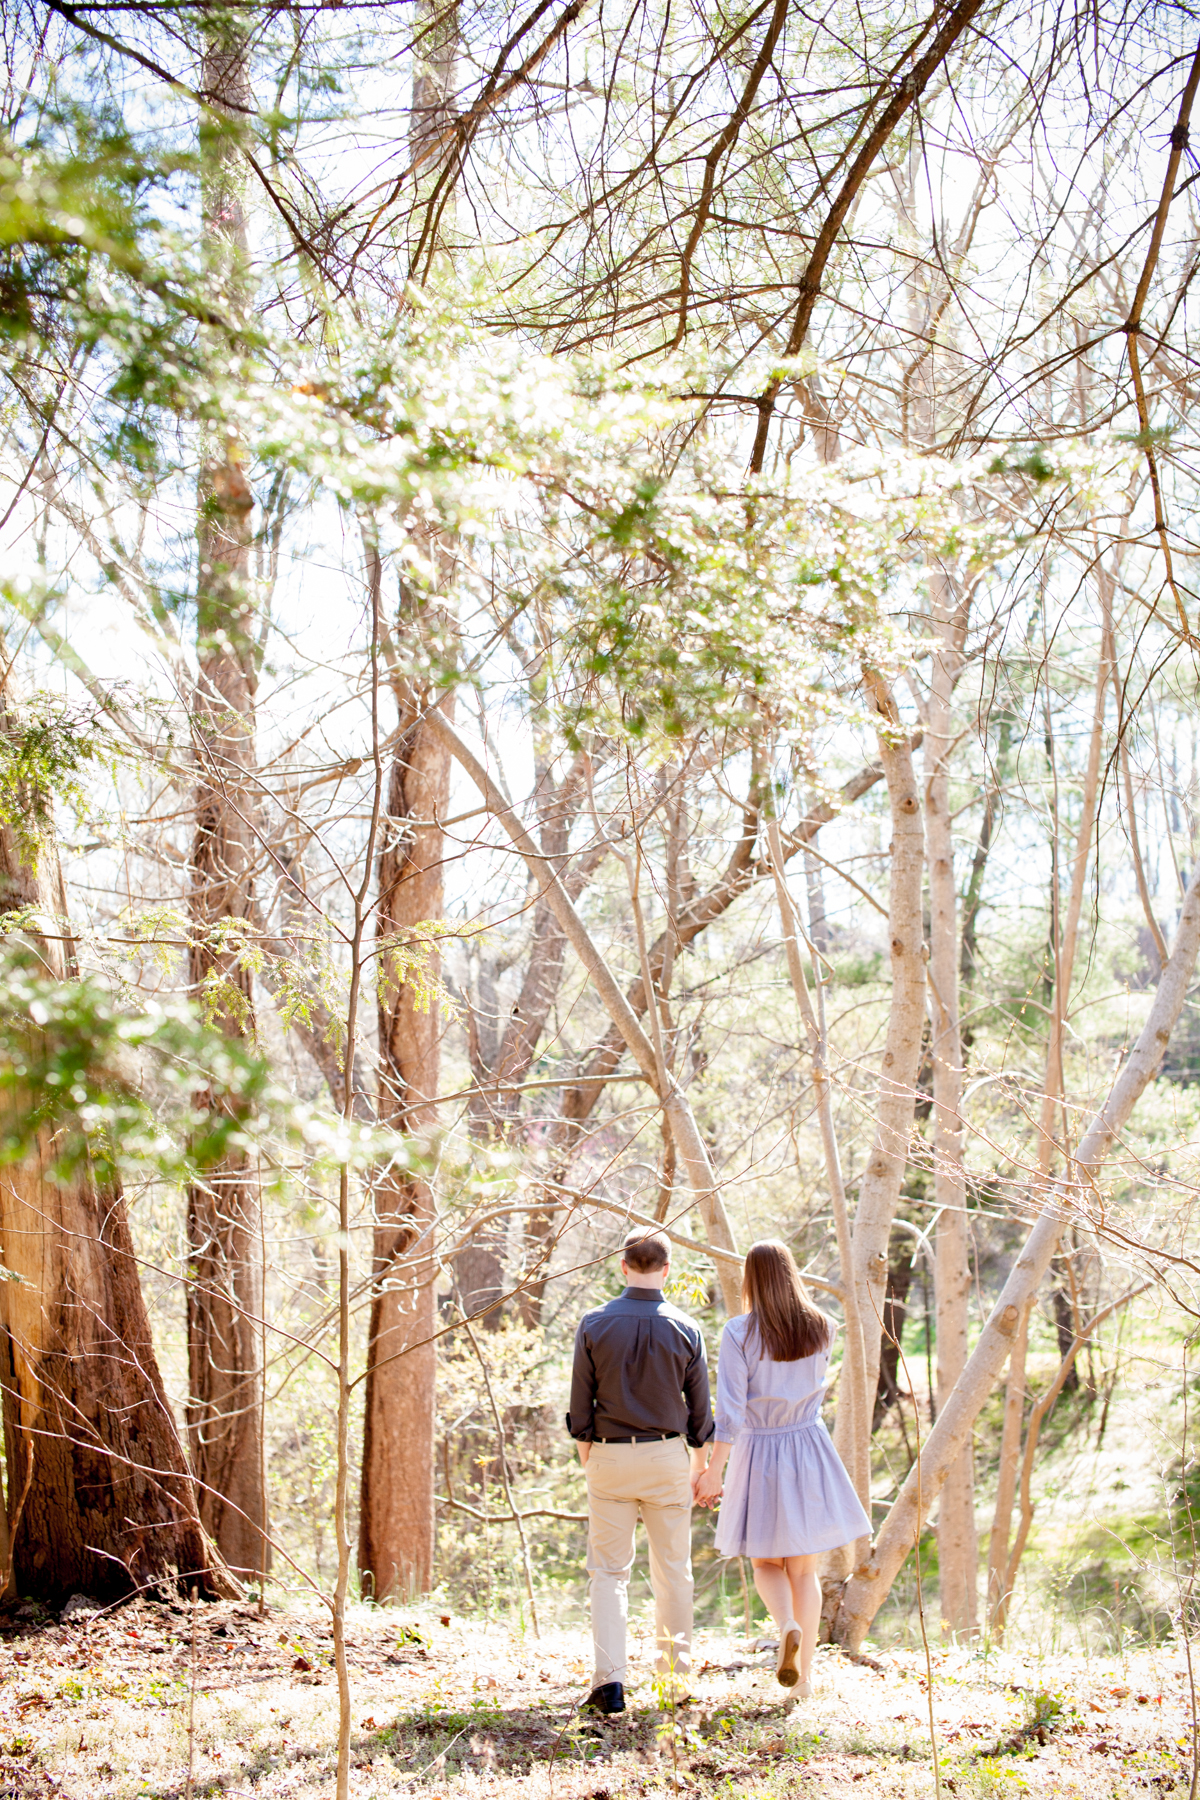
[
  {"x": 225, "y": 1292},
  {"x": 99, "y": 1496},
  {"x": 396, "y": 1544}
]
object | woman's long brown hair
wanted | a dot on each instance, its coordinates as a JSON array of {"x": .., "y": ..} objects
[{"x": 789, "y": 1325}]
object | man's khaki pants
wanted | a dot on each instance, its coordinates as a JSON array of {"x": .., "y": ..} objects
[{"x": 624, "y": 1480}]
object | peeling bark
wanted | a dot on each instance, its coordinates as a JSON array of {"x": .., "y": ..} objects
[{"x": 100, "y": 1498}]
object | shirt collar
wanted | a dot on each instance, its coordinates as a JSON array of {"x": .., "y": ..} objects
[{"x": 654, "y": 1296}]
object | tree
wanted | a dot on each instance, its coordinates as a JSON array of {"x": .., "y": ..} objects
[
  {"x": 396, "y": 1541},
  {"x": 99, "y": 1496},
  {"x": 396, "y": 1531},
  {"x": 225, "y": 1296},
  {"x": 868, "y": 1587}
]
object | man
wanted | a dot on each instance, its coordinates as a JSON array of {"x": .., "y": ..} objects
[{"x": 639, "y": 1402}]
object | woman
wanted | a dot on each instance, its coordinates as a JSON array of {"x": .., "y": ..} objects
[{"x": 788, "y": 1497}]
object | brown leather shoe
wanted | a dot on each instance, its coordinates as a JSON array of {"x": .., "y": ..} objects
[{"x": 786, "y": 1672}]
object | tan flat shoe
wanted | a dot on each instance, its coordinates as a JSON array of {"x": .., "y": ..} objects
[{"x": 786, "y": 1672}]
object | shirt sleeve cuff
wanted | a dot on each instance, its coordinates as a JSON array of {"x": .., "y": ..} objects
[
  {"x": 583, "y": 1434},
  {"x": 697, "y": 1440},
  {"x": 726, "y": 1430}
]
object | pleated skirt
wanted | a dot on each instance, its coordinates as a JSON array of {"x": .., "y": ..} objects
[{"x": 787, "y": 1493}]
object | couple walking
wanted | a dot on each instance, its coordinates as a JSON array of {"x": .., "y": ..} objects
[{"x": 647, "y": 1440}]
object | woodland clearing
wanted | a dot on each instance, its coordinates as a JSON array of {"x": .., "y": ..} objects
[
  {"x": 99, "y": 1707},
  {"x": 598, "y": 627}
]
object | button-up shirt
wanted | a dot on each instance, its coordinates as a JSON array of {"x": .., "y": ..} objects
[{"x": 639, "y": 1369}]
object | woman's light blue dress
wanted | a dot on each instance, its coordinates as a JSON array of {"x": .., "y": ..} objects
[{"x": 787, "y": 1492}]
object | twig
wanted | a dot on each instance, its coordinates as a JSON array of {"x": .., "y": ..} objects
[
  {"x": 1133, "y": 326},
  {"x": 12, "y": 1534},
  {"x": 1139, "y": 868},
  {"x": 937, "y": 1772},
  {"x": 745, "y": 1594},
  {"x": 512, "y": 1505},
  {"x": 1186, "y": 1601},
  {"x": 264, "y": 1542},
  {"x": 1036, "y": 1419},
  {"x": 189, "y": 1785},
  {"x": 676, "y": 1237},
  {"x": 533, "y": 1512}
]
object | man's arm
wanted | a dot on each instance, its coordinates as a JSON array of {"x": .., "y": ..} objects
[
  {"x": 582, "y": 1413},
  {"x": 701, "y": 1425}
]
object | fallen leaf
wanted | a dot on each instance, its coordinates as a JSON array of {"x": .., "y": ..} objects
[
  {"x": 302, "y": 1665},
  {"x": 484, "y": 1749}
]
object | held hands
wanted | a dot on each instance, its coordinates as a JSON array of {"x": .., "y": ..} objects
[{"x": 707, "y": 1486}]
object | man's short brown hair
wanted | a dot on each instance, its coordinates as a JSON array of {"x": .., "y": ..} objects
[{"x": 645, "y": 1251}]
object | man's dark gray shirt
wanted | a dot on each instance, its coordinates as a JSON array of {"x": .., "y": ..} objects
[{"x": 639, "y": 1369}]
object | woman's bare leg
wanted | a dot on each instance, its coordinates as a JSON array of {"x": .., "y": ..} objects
[
  {"x": 773, "y": 1583},
  {"x": 774, "y": 1587},
  {"x": 805, "y": 1585}
]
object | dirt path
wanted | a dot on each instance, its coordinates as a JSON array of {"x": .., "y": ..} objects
[{"x": 97, "y": 1709}]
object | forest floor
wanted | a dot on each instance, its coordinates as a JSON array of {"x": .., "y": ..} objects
[{"x": 97, "y": 1708}]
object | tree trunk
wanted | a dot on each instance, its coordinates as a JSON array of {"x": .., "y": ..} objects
[
  {"x": 1006, "y": 1482},
  {"x": 397, "y": 1522},
  {"x": 818, "y": 927},
  {"x": 872, "y": 1580},
  {"x": 879, "y": 1187},
  {"x": 225, "y": 1292},
  {"x": 1064, "y": 1330},
  {"x": 973, "y": 898},
  {"x": 501, "y": 1066},
  {"x": 396, "y": 1541},
  {"x": 853, "y": 1390},
  {"x": 958, "y": 1550},
  {"x": 1052, "y": 1090},
  {"x": 100, "y": 1500},
  {"x": 895, "y": 1313}
]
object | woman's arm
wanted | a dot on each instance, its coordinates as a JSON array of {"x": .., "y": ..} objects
[
  {"x": 706, "y": 1487},
  {"x": 732, "y": 1382}
]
